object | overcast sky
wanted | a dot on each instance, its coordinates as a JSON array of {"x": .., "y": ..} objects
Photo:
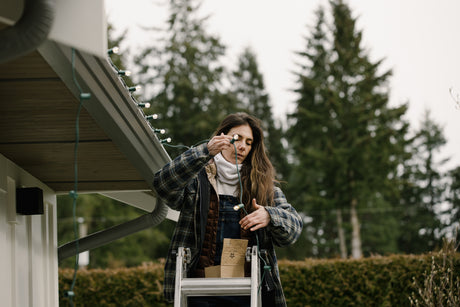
[{"x": 417, "y": 38}]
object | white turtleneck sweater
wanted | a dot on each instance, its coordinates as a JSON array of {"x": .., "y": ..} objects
[{"x": 227, "y": 176}]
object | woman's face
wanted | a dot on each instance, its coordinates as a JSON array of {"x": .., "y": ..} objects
[{"x": 243, "y": 144}]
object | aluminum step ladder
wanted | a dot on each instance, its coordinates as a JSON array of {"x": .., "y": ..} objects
[{"x": 240, "y": 286}]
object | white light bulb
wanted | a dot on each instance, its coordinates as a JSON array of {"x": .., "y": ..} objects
[
  {"x": 114, "y": 50},
  {"x": 168, "y": 140},
  {"x": 135, "y": 88},
  {"x": 234, "y": 138},
  {"x": 124, "y": 73},
  {"x": 143, "y": 105}
]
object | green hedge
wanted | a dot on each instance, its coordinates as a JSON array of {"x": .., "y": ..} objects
[
  {"x": 376, "y": 281},
  {"x": 138, "y": 286},
  {"x": 382, "y": 281}
]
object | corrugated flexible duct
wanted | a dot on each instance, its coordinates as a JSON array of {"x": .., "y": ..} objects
[{"x": 29, "y": 32}]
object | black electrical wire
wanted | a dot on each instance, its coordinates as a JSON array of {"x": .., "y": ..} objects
[{"x": 266, "y": 266}]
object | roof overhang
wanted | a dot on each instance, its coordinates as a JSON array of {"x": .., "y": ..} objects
[{"x": 117, "y": 150}]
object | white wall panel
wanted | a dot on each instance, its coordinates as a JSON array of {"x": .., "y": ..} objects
[
  {"x": 5, "y": 254},
  {"x": 28, "y": 244},
  {"x": 20, "y": 246}
]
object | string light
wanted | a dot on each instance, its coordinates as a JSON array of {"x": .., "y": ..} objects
[
  {"x": 266, "y": 267},
  {"x": 153, "y": 116},
  {"x": 73, "y": 193},
  {"x": 234, "y": 138},
  {"x": 126, "y": 73},
  {"x": 160, "y": 131},
  {"x": 113, "y": 50},
  {"x": 238, "y": 207},
  {"x": 143, "y": 104},
  {"x": 134, "y": 88}
]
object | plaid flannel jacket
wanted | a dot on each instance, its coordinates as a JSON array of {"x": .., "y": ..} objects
[{"x": 177, "y": 185}]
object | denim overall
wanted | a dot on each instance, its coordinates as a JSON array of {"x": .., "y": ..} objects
[{"x": 227, "y": 227}]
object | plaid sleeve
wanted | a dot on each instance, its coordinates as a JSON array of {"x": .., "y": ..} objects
[
  {"x": 286, "y": 224},
  {"x": 170, "y": 181}
]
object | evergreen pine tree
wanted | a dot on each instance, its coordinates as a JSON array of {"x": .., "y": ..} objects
[
  {"x": 347, "y": 140},
  {"x": 453, "y": 198},
  {"x": 248, "y": 89},
  {"x": 184, "y": 74},
  {"x": 307, "y": 137},
  {"x": 423, "y": 191}
]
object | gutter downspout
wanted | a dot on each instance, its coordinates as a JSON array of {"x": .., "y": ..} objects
[
  {"x": 29, "y": 32},
  {"x": 108, "y": 235}
]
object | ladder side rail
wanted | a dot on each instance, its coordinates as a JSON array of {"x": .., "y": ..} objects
[
  {"x": 178, "y": 281},
  {"x": 255, "y": 293}
]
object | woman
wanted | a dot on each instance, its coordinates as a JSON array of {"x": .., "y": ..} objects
[{"x": 205, "y": 183}]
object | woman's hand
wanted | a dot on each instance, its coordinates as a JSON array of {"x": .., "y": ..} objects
[
  {"x": 259, "y": 218},
  {"x": 219, "y": 143}
]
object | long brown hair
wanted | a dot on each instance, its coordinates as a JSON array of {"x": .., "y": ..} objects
[{"x": 257, "y": 172}]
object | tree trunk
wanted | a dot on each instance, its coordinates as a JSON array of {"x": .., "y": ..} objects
[
  {"x": 356, "y": 251},
  {"x": 341, "y": 234}
]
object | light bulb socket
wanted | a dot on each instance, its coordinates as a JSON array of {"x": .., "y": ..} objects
[
  {"x": 134, "y": 88},
  {"x": 124, "y": 73},
  {"x": 160, "y": 131},
  {"x": 144, "y": 105},
  {"x": 153, "y": 116},
  {"x": 234, "y": 138}
]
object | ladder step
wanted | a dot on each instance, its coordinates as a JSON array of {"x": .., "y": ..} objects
[{"x": 216, "y": 286}]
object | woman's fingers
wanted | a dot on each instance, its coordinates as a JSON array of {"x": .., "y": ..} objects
[
  {"x": 219, "y": 143},
  {"x": 257, "y": 219}
]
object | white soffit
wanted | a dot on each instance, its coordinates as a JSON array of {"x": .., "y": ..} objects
[{"x": 82, "y": 25}]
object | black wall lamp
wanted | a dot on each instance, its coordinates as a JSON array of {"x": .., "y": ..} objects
[{"x": 29, "y": 201}]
